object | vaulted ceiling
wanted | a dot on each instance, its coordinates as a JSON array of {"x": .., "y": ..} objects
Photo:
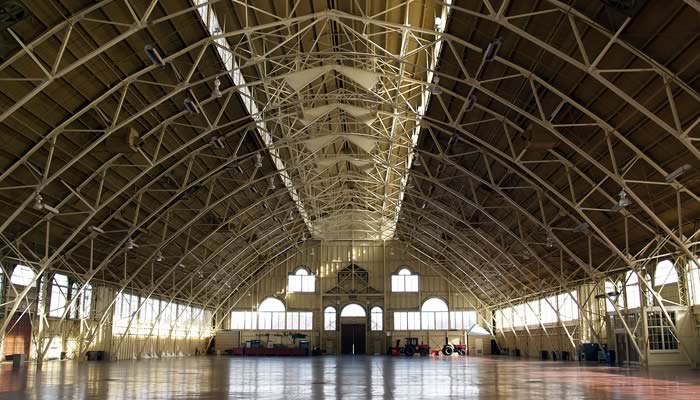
[{"x": 184, "y": 147}]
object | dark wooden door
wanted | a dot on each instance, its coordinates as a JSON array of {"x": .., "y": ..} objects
[
  {"x": 19, "y": 336},
  {"x": 352, "y": 338}
]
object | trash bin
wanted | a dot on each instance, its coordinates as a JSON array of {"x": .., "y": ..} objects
[
  {"x": 95, "y": 355},
  {"x": 17, "y": 360},
  {"x": 304, "y": 345},
  {"x": 611, "y": 357}
]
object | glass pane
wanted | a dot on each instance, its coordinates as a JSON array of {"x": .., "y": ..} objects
[
  {"x": 353, "y": 310},
  {"x": 294, "y": 283},
  {"x": 411, "y": 283},
  {"x": 413, "y": 321},
  {"x": 376, "y": 319},
  {"x": 238, "y": 320},
  {"x": 22, "y": 275},
  {"x": 665, "y": 273},
  {"x": 271, "y": 304},
  {"x": 397, "y": 283}
]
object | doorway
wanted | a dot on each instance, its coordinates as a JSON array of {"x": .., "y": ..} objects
[
  {"x": 626, "y": 353},
  {"x": 19, "y": 335},
  {"x": 352, "y": 339}
]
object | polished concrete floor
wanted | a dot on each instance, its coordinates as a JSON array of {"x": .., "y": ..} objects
[{"x": 329, "y": 377}]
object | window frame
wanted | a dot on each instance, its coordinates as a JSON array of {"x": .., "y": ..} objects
[
  {"x": 328, "y": 325},
  {"x": 401, "y": 281},
  {"x": 22, "y": 269},
  {"x": 58, "y": 297},
  {"x": 298, "y": 282},
  {"x": 672, "y": 274},
  {"x": 659, "y": 332},
  {"x": 376, "y": 319}
]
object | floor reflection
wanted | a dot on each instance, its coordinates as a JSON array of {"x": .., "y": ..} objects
[{"x": 329, "y": 377}]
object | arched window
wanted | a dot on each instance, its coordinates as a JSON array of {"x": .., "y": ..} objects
[
  {"x": 271, "y": 314},
  {"x": 329, "y": 319},
  {"x": 613, "y": 296},
  {"x": 22, "y": 275},
  {"x": 376, "y": 319},
  {"x": 404, "y": 281},
  {"x": 665, "y": 273},
  {"x": 353, "y": 310},
  {"x": 434, "y": 314},
  {"x": 81, "y": 309},
  {"x": 301, "y": 281},
  {"x": 632, "y": 294},
  {"x": 59, "y": 295},
  {"x": 694, "y": 282},
  {"x": 271, "y": 304}
]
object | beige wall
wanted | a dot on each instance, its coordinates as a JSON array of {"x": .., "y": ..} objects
[{"x": 380, "y": 259}]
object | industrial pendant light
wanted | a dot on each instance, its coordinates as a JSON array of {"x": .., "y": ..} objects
[
  {"x": 216, "y": 93},
  {"x": 623, "y": 201}
]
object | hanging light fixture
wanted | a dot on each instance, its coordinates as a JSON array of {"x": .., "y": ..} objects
[
  {"x": 191, "y": 106},
  {"x": 549, "y": 243},
  {"x": 159, "y": 257},
  {"x": 258, "y": 160},
  {"x": 492, "y": 50},
  {"x": 40, "y": 206},
  {"x": 130, "y": 244},
  {"x": 416, "y": 160},
  {"x": 436, "y": 89},
  {"x": 216, "y": 93},
  {"x": 153, "y": 55},
  {"x": 38, "y": 202},
  {"x": 623, "y": 201},
  {"x": 271, "y": 181}
]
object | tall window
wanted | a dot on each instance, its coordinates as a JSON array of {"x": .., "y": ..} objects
[
  {"x": 548, "y": 312},
  {"x": 694, "y": 282},
  {"x": 613, "y": 296},
  {"x": 532, "y": 313},
  {"x": 568, "y": 307},
  {"x": 244, "y": 320},
  {"x": 406, "y": 320},
  {"x": 85, "y": 303},
  {"x": 22, "y": 275},
  {"x": 59, "y": 295},
  {"x": 376, "y": 319},
  {"x": 552, "y": 309},
  {"x": 665, "y": 273},
  {"x": 404, "y": 281},
  {"x": 81, "y": 307},
  {"x": 434, "y": 314},
  {"x": 660, "y": 335},
  {"x": 329, "y": 319},
  {"x": 632, "y": 290},
  {"x": 462, "y": 320},
  {"x": 299, "y": 320},
  {"x": 301, "y": 281},
  {"x": 271, "y": 316}
]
